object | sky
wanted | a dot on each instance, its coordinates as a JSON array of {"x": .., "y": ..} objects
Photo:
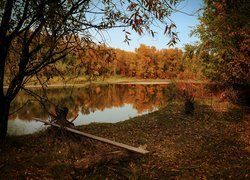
[{"x": 115, "y": 37}]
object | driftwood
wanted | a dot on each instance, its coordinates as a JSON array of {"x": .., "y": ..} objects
[
  {"x": 189, "y": 107},
  {"x": 61, "y": 117},
  {"x": 121, "y": 145},
  {"x": 189, "y": 103}
]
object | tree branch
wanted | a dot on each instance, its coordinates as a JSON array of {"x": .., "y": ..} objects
[
  {"x": 5, "y": 23},
  {"x": 24, "y": 17}
]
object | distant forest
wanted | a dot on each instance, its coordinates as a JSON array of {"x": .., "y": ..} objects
[{"x": 100, "y": 62}]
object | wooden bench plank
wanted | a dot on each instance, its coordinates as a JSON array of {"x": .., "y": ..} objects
[{"x": 125, "y": 146}]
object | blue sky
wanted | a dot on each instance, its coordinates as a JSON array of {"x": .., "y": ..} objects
[{"x": 184, "y": 22}]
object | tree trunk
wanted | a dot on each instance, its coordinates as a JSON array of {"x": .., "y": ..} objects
[{"x": 4, "y": 114}]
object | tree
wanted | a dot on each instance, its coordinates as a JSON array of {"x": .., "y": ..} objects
[
  {"x": 148, "y": 62},
  {"x": 146, "y": 57},
  {"x": 192, "y": 64},
  {"x": 95, "y": 61},
  {"x": 35, "y": 34},
  {"x": 224, "y": 33}
]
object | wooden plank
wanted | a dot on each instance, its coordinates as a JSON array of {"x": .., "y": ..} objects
[{"x": 125, "y": 146}]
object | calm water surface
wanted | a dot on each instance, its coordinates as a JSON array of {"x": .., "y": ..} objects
[{"x": 100, "y": 103}]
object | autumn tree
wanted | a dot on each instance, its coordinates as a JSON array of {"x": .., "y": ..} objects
[
  {"x": 149, "y": 62},
  {"x": 35, "y": 34},
  {"x": 224, "y": 32},
  {"x": 94, "y": 61},
  {"x": 173, "y": 63},
  {"x": 146, "y": 57},
  {"x": 192, "y": 64},
  {"x": 122, "y": 62}
]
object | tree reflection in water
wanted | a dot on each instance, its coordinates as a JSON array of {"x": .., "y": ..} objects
[{"x": 124, "y": 100}]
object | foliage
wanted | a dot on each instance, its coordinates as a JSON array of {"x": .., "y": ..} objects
[
  {"x": 92, "y": 61},
  {"x": 34, "y": 35},
  {"x": 148, "y": 62},
  {"x": 192, "y": 65},
  {"x": 224, "y": 33}
]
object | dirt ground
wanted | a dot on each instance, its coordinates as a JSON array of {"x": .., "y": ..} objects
[{"x": 214, "y": 143}]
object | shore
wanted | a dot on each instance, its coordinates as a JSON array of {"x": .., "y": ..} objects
[
  {"x": 80, "y": 83},
  {"x": 211, "y": 144}
]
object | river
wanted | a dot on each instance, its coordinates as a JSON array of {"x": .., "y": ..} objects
[{"x": 109, "y": 103}]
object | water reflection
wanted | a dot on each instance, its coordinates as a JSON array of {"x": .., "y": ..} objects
[
  {"x": 96, "y": 103},
  {"x": 109, "y": 115},
  {"x": 99, "y": 103},
  {"x": 20, "y": 127}
]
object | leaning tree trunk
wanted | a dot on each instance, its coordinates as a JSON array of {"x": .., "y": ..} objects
[{"x": 4, "y": 114}]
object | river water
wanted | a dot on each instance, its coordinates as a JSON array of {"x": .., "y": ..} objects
[{"x": 96, "y": 103}]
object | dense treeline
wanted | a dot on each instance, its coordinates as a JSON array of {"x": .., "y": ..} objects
[
  {"x": 144, "y": 63},
  {"x": 92, "y": 61},
  {"x": 148, "y": 62}
]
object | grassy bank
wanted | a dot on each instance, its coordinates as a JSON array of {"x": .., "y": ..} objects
[
  {"x": 81, "y": 81},
  {"x": 213, "y": 143}
]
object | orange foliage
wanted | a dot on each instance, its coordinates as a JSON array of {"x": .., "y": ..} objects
[{"x": 148, "y": 62}]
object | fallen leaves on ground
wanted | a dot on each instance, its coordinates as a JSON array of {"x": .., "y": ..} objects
[{"x": 209, "y": 144}]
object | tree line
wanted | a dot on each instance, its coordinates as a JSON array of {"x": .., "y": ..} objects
[
  {"x": 144, "y": 63},
  {"x": 91, "y": 61}
]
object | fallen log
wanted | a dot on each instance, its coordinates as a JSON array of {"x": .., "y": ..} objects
[{"x": 121, "y": 145}]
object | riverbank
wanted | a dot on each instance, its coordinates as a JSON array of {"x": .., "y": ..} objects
[
  {"x": 212, "y": 144},
  {"x": 56, "y": 83}
]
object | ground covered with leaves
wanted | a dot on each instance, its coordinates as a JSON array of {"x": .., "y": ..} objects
[{"x": 213, "y": 144}]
